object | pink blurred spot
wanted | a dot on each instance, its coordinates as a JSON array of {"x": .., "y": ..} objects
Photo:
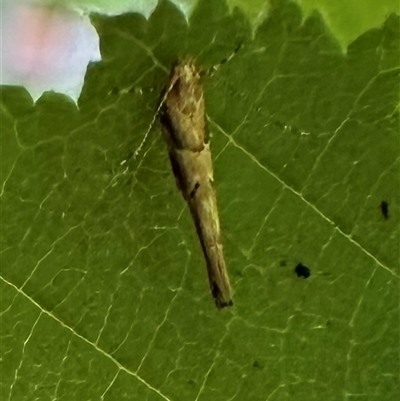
[
  {"x": 46, "y": 48},
  {"x": 41, "y": 35}
]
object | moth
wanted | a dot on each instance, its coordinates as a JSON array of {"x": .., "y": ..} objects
[{"x": 182, "y": 116}]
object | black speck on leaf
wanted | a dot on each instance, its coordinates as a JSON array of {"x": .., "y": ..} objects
[
  {"x": 278, "y": 124},
  {"x": 114, "y": 91},
  {"x": 385, "y": 209},
  {"x": 302, "y": 271}
]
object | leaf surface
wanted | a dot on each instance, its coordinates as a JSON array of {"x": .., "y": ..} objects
[{"x": 104, "y": 288}]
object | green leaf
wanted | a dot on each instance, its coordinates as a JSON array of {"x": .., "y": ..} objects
[{"x": 103, "y": 284}]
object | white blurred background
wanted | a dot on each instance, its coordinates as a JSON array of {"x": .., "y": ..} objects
[
  {"x": 45, "y": 47},
  {"x": 47, "y": 44}
]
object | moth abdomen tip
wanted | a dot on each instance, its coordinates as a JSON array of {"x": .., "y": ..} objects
[{"x": 223, "y": 304}]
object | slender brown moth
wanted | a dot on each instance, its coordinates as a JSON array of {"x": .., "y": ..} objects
[{"x": 182, "y": 117}]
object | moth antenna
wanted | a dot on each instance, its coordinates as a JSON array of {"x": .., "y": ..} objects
[
  {"x": 216, "y": 67},
  {"x": 165, "y": 93}
]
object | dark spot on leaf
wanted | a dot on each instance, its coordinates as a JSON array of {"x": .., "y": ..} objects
[
  {"x": 295, "y": 130},
  {"x": 237, "y": 48},
  {"x": 278, "y": 124},
  {"x": 222, "y": 62},
  {"x": 194, "y": 190},
  {"x": 282, "y": 263},
  {"x": 385, "y": 209},
  {"x": 257, "y": 365},
  {"x": 114, "y": 91},
  {"x": 328, "y": 323},
  {"x": 302, "y": 271},
  {"x": 129, "y": 180}
]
